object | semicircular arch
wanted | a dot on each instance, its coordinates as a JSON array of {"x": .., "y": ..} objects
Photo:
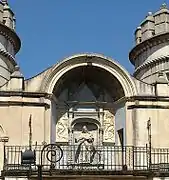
[{"x": 95, "y": 60}]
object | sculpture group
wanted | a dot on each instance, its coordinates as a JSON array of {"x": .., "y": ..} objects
[{"x": 85, "y": 151}]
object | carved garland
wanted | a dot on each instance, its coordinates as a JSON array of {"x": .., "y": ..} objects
[{"x": 109, "y": 126}]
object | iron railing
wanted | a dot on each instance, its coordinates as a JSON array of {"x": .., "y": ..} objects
[{"x": 105, "y": 158}]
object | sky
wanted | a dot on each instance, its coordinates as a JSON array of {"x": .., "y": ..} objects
[{"x": 51, "y": 30}]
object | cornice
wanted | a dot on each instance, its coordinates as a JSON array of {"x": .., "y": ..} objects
[
  {"x": 148, "y": 107},
  {"x": 9, "y": 56},
  {"x": 11, "y": 36},
  {"x": 151, "y": 63},
  {"x": 148, "y": 98},
  {"x": 19, "y": 103},
  {"x": 147, "y": 44},
  {"x": 23, "y": 94}
]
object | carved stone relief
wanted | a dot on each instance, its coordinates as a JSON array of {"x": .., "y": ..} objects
[
  {"x": 62, "y": 128},
  {"x": 109, "y": 127}
]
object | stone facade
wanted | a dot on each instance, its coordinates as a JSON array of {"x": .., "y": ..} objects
[{"x": 89, "y": 90}]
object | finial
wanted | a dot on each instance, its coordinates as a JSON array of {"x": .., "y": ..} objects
[
  {"x": 30, "y": 131},
  {"x": 163, "y": 6},
  {"x": 149, "y": 123},
  {"x": 139, "y": 27},
  {"x": 150, "y": 13}
]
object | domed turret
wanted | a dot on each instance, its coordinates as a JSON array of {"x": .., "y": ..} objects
[
  {"x": 162, "y": 20},
  {"x": 151, "y": 53},
  {"x": 138, "y": 35},
  {"x": 9, "y": 42}
]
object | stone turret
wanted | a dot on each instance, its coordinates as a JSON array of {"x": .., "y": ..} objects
[
  {"x": 9, "y": 42},
  {"x": 138, "y": 35},
  {"x": 151, "y": 52},
  {"x": 162, "y": 20}
]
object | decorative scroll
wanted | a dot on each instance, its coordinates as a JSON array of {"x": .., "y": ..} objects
[
  {"x": 62, "y": 129},
  {"x": 109, "y": 132},
  {"x": 52, "y": 152}
]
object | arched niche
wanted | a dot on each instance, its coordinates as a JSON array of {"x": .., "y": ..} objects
[
  {"x": 94, "y": 88},
  {"x": 92, "y": 126}
]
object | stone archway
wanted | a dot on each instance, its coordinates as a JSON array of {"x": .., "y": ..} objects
[
  {"x": 93, "y": 59},
  {"x": 90, "y": 82}
]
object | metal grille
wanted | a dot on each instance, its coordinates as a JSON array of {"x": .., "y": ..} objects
[{"x": 106, "y": 158}]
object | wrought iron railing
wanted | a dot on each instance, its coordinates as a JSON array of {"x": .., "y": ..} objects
[{"x": 104, "y": 158}]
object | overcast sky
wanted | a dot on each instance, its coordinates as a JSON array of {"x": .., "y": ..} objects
[{"x": 51, "y": 30}]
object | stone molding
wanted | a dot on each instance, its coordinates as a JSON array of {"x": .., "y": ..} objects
[
  {"x": 147, "y": 44},
  {"x": 147, "y": 107},
  {"x": 148, "y": 98},
  {"x": 95, "y": 60},
  {"x": 9, "y": 56},
  {"x": 11, "y": 36},
  {"x": 151, "y": 63},
  {"x": 19, "y": 103},
  {"x": 24, "y": 94}
]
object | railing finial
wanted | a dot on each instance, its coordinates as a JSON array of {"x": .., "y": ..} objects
[
  {"x": 30, "y": 131},
  {"x": 149, "y": 138}
]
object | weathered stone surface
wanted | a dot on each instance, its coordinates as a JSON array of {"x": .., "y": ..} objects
[{"x": 88, "y": 90}]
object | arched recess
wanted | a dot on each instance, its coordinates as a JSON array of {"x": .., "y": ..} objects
[
  {"x": 92, "y": 126},
  {"x": 92, "y": 83},
  {"x": 101, "y": 61}
]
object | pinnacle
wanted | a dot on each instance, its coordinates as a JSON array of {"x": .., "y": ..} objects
[{"x": 163, "y": 6}]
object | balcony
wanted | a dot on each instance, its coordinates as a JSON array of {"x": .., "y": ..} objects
[{"x": 105, "y": 160}]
